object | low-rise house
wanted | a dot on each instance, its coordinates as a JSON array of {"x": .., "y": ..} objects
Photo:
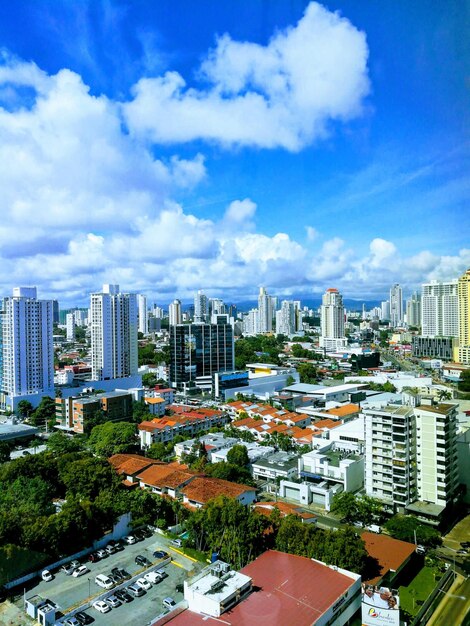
[
  {"x": 285, "y": 509},
  {"x": 156, "y": 406},
  {"x": 129, "y": 466},
  {"x": 275, "y": 466},
  {"x": 166, "y": 479},
  {"x": 202, "y": 489},
  {"x": 334, "y": 466},
  {"x": 394, "y": 558}
]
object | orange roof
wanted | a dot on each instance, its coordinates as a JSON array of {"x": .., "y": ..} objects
[
  {"x": 203, "y": 489},
  {"x": 266, "y": 508},
  {"x": 390, "y": 553},
  {"x": 346, "y": 409},
  {"x": 154, "y": 400},
  {"x": 154, "y": 473},
  {"x": 130, "y": 463},
  {"x": 327, "y": 424}
]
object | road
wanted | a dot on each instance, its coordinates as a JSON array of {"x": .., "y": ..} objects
[
  {"x": 17, "y": 454},
  {"x": 455, "y": 606}
]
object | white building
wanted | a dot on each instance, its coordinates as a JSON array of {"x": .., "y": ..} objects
[
  {"x": 113, "y": 334},
  {"x": 440, "y": 309},
  {"x": 396, "y": 306},
  {"x": 251, "y": 322},
  {"x": 332, "y": 321},
  {"x": 385, "y": 310},
  {"x": 413, "y": 310},
  {"x": 201, "y": 307},
  {"x": 334, "y": 466},
  {"x": 142, "y": 313},
  {"x": 286, "y": 318},
  {"x": 265, "y": 311},
  {"x": 27, "y": 353},
  {"x": 70, "y": 326},
  {"x": 174, "y": 311}
]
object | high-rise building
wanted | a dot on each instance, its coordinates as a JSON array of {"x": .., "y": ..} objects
[
  {"x": 70, "y": 326},
  {"x": 113, "y": 334},
  {"x": 142, "y": 314},
  {"x": 265, "y": 311},
  {"x": 174, "y": 311},
  {"x": 332, "y": 321},
  {"x": 197, "y": 351},
  {"x": 385, "y": 311},
  {"x": 436, "y": 453},
  {"x": 440, "y": 309},
  {"x": 217, "y": 306},
  {"x": 201, "y": 308},
  {"x": 286, "y": 318},
  {"x": 251, "y": 322},
  {"x": 464, "y": 318},
  {"x": 413, "y": 310},
  {"x": 26, "y": 349},
  {"x": 55, "y": 312},
  {"x": 390, "y": 455},
  {"x": 396, "y": 306}
]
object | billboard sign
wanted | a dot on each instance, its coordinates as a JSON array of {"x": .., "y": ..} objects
[{"x": 380, "y": 606}]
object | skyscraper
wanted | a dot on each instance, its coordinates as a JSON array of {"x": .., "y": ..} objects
[
  {"x": 286, "y": 318},
  {"x": 197, "y": 351},
  {"x": 113, "y": 334},
  {"x": 440, "y": 309},
  {"x": 413, "y": 310},
  {"x": 174, "y": 311},
  {"x": 396, "y": 306},
  {"x": 385, "y": 310},
  {"x": 265, "y": 310},
  {"x": 332, "y": 321},
  {"x": 464, "y": 318},
  {"x": 142, "y": 313},
  {"x": 27, "y": 354},
  {"x": 70, "y": 326},
  {"x": 201, "y": 308}
]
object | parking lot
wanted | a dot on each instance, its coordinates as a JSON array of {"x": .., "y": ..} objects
[{"x": 69, "y": 593}]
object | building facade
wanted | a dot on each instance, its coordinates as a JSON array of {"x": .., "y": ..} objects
[
  {"x": 26, "y": 349},
  {"x": 439, "y": 309},
  {"x": 332, "y": 321},
  {"x": 265, "y": 311},
  {"x": 142, "y": 314},
  {"x": 433, "y": 347},
  {"x": 174, "y": 311},
  {"x": 114, "y": 352},
  {"x": 464, "y": 318},
  {"x": 396, "y": 306}
]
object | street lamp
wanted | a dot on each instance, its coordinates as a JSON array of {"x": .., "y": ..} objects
[{"x": 89, "y": 590}]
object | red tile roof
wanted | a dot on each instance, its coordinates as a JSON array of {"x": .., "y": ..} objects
[
  {"x": 390, "y": 553},
  {"x": 203, "y": 489}
]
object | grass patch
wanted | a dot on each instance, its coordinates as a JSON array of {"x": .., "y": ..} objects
[
  {"x": 195, "y": 554},
  {"x": 419, "y": 589},
  {"x": 16, "y": 561}
]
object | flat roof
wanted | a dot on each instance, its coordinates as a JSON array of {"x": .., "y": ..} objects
[
  {"x": 278, "y": 460},
  {"x": 12, "y": 431}
]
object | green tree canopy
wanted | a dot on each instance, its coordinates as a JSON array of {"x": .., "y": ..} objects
[
  {"x": 113, "y": 438},
  {"x": 238, "y": 455},
  {"x": 307, "y": 373},
  {"x": 59, "y": 443},
  {"x": 404, "y": 527}
]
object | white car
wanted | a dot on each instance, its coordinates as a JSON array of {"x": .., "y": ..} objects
[
  {"x": 101, "y": 606},
  {"x": 46, "y": 575},
  {"x": 154, "y": 577},
  {"x": 83, "y": 569},
  {"x": 169, "y": 603},
  {"x": 177, "y": 542},
  {"x": 129, "y": 539},
  {"x": 104, "y": 581},
  {"x": 143, "y": 583}
]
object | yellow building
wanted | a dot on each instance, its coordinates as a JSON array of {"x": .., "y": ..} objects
[{"x": 464, "y": 318}]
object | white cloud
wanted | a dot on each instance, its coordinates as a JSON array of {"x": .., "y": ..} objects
[
  {"x": 312, "y": 233},
  {"x": 284, "y": 94},
  {"x": 240, "y": 211}
]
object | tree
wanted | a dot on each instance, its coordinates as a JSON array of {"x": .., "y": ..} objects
[
  {"x": 44, "y": 413},
  {"x": 98, "y": 417},
  {"x": 307, "y": 373},
  {"x": 87, "y": 477},
  {"x": 238, "y": 455},
  {"x": 140, "y": 412},
  {"x": 346, "y": 506},
  {"x": 157, "y": 451},
  {"x": 230, "y": 472},
  {"x": 59, "y": 443},
  {"x": 149, "y": 380},
  {"x": 5, "y": 449},
  {"x": 113, "y": 438},
  {"x": 24, "y": 408},
  {"x": 464, "y": 382},
  {"x": 444, "y": 394},
  {"x": 404, "y": 527}
]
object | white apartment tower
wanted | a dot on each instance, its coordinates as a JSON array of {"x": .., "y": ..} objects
[
  {"x": 440, "y": 309},
  {"x": 113, "y": 334},
  {"x": 396, "y": 306},
  {"x": 413, "y": 310},
  {"x": 142, "y": 313},
  {"x": 385, "y": 310},
  {"x": 201, "y": 307},
  {"x": 174, "y": 311},
  {"x": 70, "y": 326},
  {"x": 26, "y": 348},
  {"x": 332, "y": 321},
  {"x": 265, "y": 310},
  {"x": 286, "y": 318}
]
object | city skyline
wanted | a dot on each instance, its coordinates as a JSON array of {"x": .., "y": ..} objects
[{"x": 298, "y": 148}]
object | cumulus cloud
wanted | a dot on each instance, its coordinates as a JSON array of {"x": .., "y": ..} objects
[{"x": 284, "y": 94}]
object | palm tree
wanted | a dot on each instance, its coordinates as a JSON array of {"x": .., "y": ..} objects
[{"x": 444, "y": 394}]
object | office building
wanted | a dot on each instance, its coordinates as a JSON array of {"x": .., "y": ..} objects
[
  {"x": 396, "y": 306},
  {"x": 440, "y": 309},
  {"x": 464, "y": 318},
  {"x": 113, "y": 334},
  {"x": 390, "y": 455},
  {"x": 174, "y": 311},
  {"x": 217, "y": 306},
  {"x": 55, "y": 312},
  {"x": 265, "y": 311},
  {"x": 26, "y": 348},
  {"x": 197, "y": 351},
  {"x": 201, "y": 308},
  {"x": 332, "y": 336}
]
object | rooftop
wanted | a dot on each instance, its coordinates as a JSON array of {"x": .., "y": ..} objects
[
  {"x": 390, "y": 553},
  {"x": 441, "y": 409},
  {"x": 203, "y": 489},
  {"x": 278, "y": 460}
]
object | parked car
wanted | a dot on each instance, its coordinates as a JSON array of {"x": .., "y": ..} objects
[
  {"x": 104, "y": 581},
  {"x": 142, "y": 560},
  {"x": 93, "y": 557},
  {"x": 101, "y": 606},
  {"x": 420, "y": 549},
  {"x": 75, "y": 563},
  {"x": 46, "y": 575},
  {"x": 144, "y": 583},
  {"x": 83, "y": 569},
  {"x": 71, "y": 621},
  {"x": 116, "y": 574},
  {"x": 465, "y": 544},
  {"x": 113, "y": 601},
  {"x": 160, "y": 554},
  {"x": 358, "y": 524},
  {"x": 83, "y": 618},
  {"x": 110, "y": 549},
  {"x": 130, "y": 539},
  {"x": 154, "y": 577},
  {"x": 118, "y": 545},
  {"x": 177, "y": 542},
  {"x": 169, "y": 603},
  {"x": 373, "y": 528},
  {"x": 102, "y": 554},
  {"x": 67, "y": 569},
  {"x": 462, "y": 551},
  {"x": 179, "y": 588},
  {"x": 135, "y": 590},
  {"x": 123, "y": 595}
]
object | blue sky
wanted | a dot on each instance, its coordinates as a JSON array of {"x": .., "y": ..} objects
[{"x": 171, "y": 146}]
